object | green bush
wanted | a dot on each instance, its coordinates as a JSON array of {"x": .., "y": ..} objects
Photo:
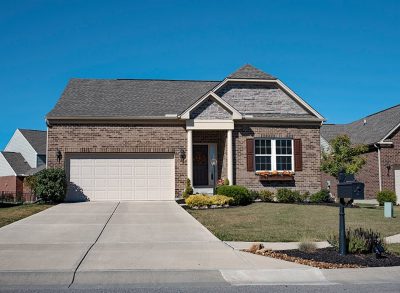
[
  {"x": 188, "y": 189},
  {"x": 198, "y": 200},
  {"x": 358, "y": 240},
  {"x": 51, "y": 185},
  {"x": 266, "y": 195},
  {"x": 226, "y": 181},
  {"x": 221, "y": 200},
  {"x": 240, "y": 194},
  {"x": 286, "y": 195},
  {"x": 386, "y": 196},
  {"x": 254, "y": 194},
  {"x": 320, "y": 196}
]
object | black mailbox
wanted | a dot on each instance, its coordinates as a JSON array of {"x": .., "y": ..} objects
[{"x": 348, "y": 187}]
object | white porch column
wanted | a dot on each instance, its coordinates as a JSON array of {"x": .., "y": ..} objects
[
  {"x": 230, "y": 157},
  {"x": 190, "y": 155}
]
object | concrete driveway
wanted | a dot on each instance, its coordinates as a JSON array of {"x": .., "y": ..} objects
[{"x": 104, "y": 242}]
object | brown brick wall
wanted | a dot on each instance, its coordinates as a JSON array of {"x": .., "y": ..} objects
[
  {"x": 390, "y": 157},
  {"x": 11, "y": 184},
  {"x": 119, "y": 139},
  {"x": 306, "y": 180},
  {"x": 171, "y": 138}
]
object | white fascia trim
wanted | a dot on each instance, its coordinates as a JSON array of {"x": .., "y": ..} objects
[
  {"x": 235, "y": 113},
  {"x": 193, "y": 124},
  {"x": 389, "y": 134},
  {"x": 281, "y": 84}
]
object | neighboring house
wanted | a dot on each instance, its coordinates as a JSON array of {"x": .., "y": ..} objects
[
  {"x": 24, "y": 155},
  {"x": 134, "y": 139},
  {"x": 381, "y": 132}
]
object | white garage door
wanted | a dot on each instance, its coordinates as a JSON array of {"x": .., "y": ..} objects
[{"x": 121, "y": 177}]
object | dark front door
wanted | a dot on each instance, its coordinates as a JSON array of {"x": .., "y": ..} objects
[{"x": 200, "y": 165}]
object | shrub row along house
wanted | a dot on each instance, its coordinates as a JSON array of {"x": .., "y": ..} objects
[
  {"x": 381, "y": 132},
  {"x": 24, "y": 155},
  {"x": 132, "y": 139}
]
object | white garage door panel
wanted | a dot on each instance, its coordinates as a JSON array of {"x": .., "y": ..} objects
[{"x": 121, "y": 177}]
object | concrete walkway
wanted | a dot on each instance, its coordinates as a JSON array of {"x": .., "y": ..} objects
[{"x": 393, "y": 239}]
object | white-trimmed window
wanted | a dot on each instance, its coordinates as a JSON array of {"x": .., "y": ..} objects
[{"x": 273, "y": 154}]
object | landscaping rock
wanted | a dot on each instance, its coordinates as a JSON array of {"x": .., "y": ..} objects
[{"x": 255, "y": 247}]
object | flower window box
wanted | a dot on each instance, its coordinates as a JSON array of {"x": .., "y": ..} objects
[{"x": 275, "y": 175}]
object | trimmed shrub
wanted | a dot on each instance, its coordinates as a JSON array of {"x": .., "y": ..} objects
[
  {"x": 226, "y": 181},
  {"x": 188, "y": 189},
  {"x": 201, "y": 200},
  {"x": 221, "y": 200},
  {"x": 254, "y": 194},
  {"x": 198, "y": 200},
  {"x": 51, "y": 185},
  {"x": 286, "y": 195},
  {"x": 240, "y": 194},
  {"x": 320, "y": 196},
  {"x": 266, "y": 195},
  {"x": 386, "y": 196},
  {"x": 358, "y": 240}
]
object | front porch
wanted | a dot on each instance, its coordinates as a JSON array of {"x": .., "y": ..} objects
[{"x": 209, "y": 158}]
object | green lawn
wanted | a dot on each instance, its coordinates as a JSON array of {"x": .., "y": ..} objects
[
  {"x": 394, "y": 248},
  {"x": 9, "y": 214},
  {"x": 271, "y": 222}
]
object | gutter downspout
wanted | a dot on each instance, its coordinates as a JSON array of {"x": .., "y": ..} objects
[{"x": 379, "y": 166}]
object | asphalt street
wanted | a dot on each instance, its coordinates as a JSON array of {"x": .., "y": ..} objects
[{"x": 364, "y": 288}]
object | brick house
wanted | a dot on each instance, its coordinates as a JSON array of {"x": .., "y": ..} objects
[
  {"x": 381, "y": 132},
  {"x": 24, "y": 155},
  {"x": 133, "y": 139}
]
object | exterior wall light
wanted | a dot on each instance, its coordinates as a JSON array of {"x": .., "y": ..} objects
[
  {"x": 182, "y": 154},
  {"x": 58, "y": 155}
]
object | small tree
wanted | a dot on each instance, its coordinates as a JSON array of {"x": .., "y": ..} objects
[
  {"x": 188, "y": 189},
  {"x": 343, "y": 157}
]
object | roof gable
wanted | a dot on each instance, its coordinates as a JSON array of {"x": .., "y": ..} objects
[
  {"x": 36, "y": 138},
  {"x": 250, "y": 72}
]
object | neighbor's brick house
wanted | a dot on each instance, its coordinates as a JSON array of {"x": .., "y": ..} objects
[
  {"x": 381, "y": 133},
  {"x": 141, "y": 139}
]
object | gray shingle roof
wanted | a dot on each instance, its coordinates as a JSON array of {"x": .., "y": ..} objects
[
  {"x": 250, "y": 72},
  {"x": 37, "y": 139},
  {"x": 128, "y": 98},
  {"x": 377, "y": 126},
  {"x": 17, "y": 162}
]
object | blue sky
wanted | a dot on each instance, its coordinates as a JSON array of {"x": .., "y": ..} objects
[{"x": 342, "y": 57}]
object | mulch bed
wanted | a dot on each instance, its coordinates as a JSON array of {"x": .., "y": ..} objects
[{"x": 329, "y": 258}]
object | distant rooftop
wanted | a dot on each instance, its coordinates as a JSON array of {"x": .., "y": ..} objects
[
  {"x": 37, "y": 138},
  {"x": 367, "y": 130}
]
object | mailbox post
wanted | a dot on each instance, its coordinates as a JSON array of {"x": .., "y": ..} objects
[{"x": 348, "y": 188}]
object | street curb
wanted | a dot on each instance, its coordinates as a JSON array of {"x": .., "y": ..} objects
[{"x": 60, "y": 279}]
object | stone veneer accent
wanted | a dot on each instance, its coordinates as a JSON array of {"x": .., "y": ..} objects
[
  {"x": 92, "y": 138},
  {"x": 210, "y": 109},
  {"x": 263, "y": 98}
]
